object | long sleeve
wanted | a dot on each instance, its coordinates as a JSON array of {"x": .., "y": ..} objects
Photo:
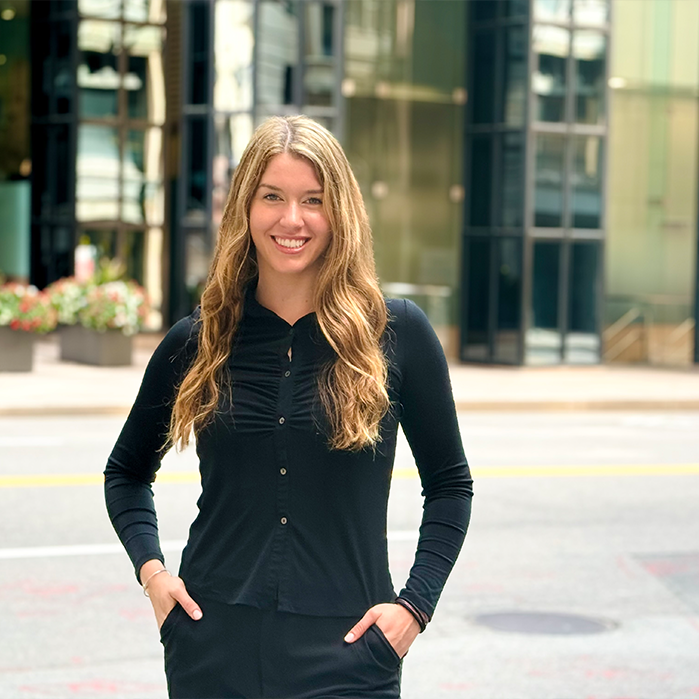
[
  {"x": 430, "y": 424},
  {"x": 136, "y": 456}
]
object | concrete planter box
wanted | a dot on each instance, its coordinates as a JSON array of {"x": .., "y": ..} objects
[
  {"x": 87, "y": 346},
  {"x": 16, "y": 350}
]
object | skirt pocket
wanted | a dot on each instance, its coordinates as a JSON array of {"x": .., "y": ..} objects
[
  {"x": 380, "y": 647},
  {"x": 169, "y": 620}
]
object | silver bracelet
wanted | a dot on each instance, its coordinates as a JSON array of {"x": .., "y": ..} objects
[{"x": 151, "y": 576}]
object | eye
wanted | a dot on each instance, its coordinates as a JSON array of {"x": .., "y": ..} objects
[
  {"x": 315, "y": 200},
  {"x": 270, "y": 195}
]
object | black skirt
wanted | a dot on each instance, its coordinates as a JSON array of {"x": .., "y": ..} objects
[{"x": 238, "y": 651}]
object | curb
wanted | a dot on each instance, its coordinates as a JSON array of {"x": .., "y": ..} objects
[{"x": 576, "y": 405}]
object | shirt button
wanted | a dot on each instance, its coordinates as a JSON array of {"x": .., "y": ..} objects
[
  {"x": 282, "y": 471},
  {"x": 283, "y": 520},
  {"x": 287, "y": 373},
  {"x": 282, "y": 420}
]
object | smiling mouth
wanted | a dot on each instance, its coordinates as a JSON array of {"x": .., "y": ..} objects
[{"x": 290, "y": 243}]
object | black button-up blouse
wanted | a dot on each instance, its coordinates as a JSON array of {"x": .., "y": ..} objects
[{"x": 284, "y": 522}]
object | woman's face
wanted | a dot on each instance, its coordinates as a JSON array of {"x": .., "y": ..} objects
[{"x": 287, "y": 221}]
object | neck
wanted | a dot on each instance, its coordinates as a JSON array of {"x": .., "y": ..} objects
[{"x": 289, "y": 298}]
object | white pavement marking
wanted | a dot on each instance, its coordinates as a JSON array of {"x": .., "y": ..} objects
[
  {"x": 102, "y": 549},
  {"x": 38, "y": 441}
]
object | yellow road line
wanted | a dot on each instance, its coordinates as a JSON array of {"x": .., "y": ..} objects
[{"x": 39, "y": 480}]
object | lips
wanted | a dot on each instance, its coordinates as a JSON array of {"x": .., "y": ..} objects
[{"x": 289, "y": 245}]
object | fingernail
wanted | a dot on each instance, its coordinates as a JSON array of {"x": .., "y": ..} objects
[
  {"x": 349, "y": 637},
  {"x": 196, "y": 614}
]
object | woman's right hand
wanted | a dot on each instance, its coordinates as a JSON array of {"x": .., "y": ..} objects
[{"x": 165, "y": 591}]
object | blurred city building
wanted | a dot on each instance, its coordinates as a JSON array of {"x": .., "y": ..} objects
[{"x": 529, "y": 166}]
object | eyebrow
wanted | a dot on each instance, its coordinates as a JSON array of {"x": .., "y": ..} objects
[{"x": 279, "y": 189}]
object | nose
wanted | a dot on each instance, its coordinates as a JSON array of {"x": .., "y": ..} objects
[{"x": 292, "y": 218}]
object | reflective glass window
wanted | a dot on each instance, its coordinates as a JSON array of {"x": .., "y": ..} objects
[
  {"x": 510, "y": 213},
  {"x": 543, "y": 339},
  {"x": 144, "y": 11},
  {"x": 548, "y": 194},
  {"x": 62, "y": 251},
  {"x": 552, "y": 46},
  {"x": 104, "y": 240},
  {"x": 196, "y": 176},
  {"x": 478, "y": 284},
  {"x": 591, "y": 12},
  {"x": 481, "y": 185},
  {"x": 40, "y": 54},
  {"x": 144, "y": 81},
  {"x": 587, "y": 182},
  {"x": 509, "y": 266},
  {"x": 319, "y": 78},
  {"x": 484, "y": 77},
  {"x": 545, "y": 280},
  {"x": 582, "y": 340},
  {"x": 41, "y": 193},
  {"x": 234, "y": 43},
  {"x": 484, "y": 10},
  {"x": 97, "y": 173},
  {"x": 516, "y": 8},
  {"x": 142, "y": 186},
  {"x": 552, "y": 10},
  {"x": 199, "y": 52},
  {"x": 99, "y": 44},
  {"x": 277, "y": 53},
  {"x": 197, "y": 260},
  {"x": 104, "y": 9},
  {"x": 514, "y": 100},
  {"x": 60, "y": 165},
  {"x": 63, "y": 70},
  {"x": 435, "y": 34},
  {"x": 589, "y": 51},
  {"x": 232, "y": 135},
  {"x": 135, "y": 255}
]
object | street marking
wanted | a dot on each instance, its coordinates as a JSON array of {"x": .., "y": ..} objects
[
  {"x": 49, "y": 480},
  {"x": 6, "y": 441},
  {"x": 175, "y": 545},
  {"x": 77, "y": 550}
]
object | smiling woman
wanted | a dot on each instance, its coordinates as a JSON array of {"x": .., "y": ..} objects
[
  {"x": 284, "y": 588},
  {"x": 291, "y": 232}
]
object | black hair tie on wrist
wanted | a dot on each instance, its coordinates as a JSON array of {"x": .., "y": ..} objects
[{"x": 419, "y": 616}]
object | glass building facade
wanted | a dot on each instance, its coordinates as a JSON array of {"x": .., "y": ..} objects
[{"x": 529, "y": 166}]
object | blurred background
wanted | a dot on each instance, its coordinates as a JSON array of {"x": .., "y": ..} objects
[
  {"x": 529, "y": 166},
  {"x": 530, "y": 171}
]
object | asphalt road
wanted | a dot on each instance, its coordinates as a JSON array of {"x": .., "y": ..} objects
[{"x": 579, "y": 578}]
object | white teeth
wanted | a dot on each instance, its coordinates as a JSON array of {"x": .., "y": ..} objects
[{"x": 290, "y": 243}]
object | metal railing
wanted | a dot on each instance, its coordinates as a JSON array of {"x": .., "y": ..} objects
[{"x": 648, "y": 321}]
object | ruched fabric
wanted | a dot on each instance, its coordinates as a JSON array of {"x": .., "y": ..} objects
[{"x": 284, "y": 522}]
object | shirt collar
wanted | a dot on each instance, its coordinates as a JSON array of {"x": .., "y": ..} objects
[{"x": 253, "y": 308}]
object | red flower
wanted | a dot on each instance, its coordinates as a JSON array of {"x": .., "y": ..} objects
[{"x": 14, "y": 324}]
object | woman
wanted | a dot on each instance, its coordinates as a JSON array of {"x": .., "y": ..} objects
[{"x": 293, "y": 375}]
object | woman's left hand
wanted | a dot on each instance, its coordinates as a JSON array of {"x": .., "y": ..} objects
[{"x": 396, "y": 622}]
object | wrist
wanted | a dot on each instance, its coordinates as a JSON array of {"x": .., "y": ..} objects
[
  {"x": 148, "y": 568},
  {"x": 419, "y": 616}
]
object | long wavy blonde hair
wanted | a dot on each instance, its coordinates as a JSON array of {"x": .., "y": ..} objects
[{"x": 349, "y": 306}]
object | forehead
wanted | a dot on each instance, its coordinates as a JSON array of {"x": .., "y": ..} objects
[{"x": 290, "y": 168}]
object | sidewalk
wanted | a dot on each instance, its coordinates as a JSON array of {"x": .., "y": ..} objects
[{"x": 63, "y": 388}]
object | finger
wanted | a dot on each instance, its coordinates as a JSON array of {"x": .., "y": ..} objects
[
  {"x": 362, "y": 625},
  {"x": 188, "y": 604}
]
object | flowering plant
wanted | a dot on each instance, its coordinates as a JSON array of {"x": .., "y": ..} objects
[
  {"x": 68, "y": 296},
  {"x": 26, "y": 308},
  {"x": 117, "y": 304}
]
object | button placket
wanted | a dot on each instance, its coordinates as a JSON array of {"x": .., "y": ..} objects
[{"x": 278, "y": 572}]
